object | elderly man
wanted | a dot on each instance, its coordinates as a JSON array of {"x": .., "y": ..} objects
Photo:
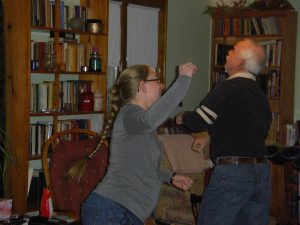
[{"x": 237, "y": 117}]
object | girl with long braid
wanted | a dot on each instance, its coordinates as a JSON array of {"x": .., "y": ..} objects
[{"x": 130, "y": 189}]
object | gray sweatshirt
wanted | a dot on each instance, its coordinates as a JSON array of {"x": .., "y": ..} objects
[{"x": 134, "y": 177}]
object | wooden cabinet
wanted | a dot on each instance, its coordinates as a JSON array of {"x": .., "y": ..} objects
[
  {"x": 21, "y": 32},
  {"x": 276, "y": 30}
]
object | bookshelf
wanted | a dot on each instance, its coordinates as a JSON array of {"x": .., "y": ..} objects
[
  {"x": 46, "y": 83},
  {"x": 276, "y": 30}
]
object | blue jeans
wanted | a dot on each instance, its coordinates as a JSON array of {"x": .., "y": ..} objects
[
  {"x": 98, "y": 210},
  {"x": 237, "y": 194}
]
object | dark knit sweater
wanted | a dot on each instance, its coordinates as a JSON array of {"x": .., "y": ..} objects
[{"x": 237, "y": 116}]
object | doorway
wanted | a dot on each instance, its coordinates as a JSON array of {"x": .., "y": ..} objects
[{"x": 137, "y": 35}]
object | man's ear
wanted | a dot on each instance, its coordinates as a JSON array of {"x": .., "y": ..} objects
[{"x": 240, "y": 63}]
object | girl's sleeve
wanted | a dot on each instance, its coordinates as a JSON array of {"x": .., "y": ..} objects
[
  {"x": 144, "y": 121},
  {"x": 165, "y": 175}
]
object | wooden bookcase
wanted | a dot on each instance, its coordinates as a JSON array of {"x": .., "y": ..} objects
[
  {"x": 19, "y": 33},
  {"x": 277, "y": 31}
]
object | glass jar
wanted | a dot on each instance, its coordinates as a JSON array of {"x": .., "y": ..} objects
[
  {"x": 95, "y": 62},
  {"x": 86, "y": 101}
]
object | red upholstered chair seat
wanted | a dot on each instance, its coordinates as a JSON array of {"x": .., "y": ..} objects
[{"x": 69, "y": 194}]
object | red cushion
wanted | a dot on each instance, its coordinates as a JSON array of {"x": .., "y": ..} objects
[{"x": 68, "y": 193}]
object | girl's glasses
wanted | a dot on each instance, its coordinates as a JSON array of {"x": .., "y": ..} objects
[
  {"x": 149, "y": 80},
  {"x": 155, "y": 79}
]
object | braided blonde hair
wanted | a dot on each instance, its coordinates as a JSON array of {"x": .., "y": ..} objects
[{"x": 122, "y": 93}]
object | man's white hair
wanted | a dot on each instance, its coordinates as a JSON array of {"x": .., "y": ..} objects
[
  {"x": 254, "y": 57},
  {"x": 252, "y": 62}
]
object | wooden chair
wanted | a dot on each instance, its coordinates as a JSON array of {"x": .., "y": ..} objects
[{"x": 60, "y": 151}]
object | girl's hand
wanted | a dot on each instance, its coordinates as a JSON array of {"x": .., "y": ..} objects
[
  {"x": 187, "y": 69},
  {"x": 182, "y": 182}
]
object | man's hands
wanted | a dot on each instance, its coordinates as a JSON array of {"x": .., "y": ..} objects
[
  {"x": 178, "y": 118},
  {"x": 182, "y": 182},
  {"x": 202, "y": 139}
]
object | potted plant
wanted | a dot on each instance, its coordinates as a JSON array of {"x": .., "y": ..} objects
[
  {"x": 7, "y": 158},
  {"x": 6, "y": 153},
  {"x": 229, "y": 6}
]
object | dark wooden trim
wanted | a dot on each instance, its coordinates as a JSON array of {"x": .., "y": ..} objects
[
  {"x": 151, "y": 3},
  {"x": 123, "y": 58}
]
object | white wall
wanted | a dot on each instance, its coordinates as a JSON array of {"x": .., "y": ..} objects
[{"x": 189, "y": 40}]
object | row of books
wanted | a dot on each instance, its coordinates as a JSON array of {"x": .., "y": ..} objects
[
  {"x": 292, "y": 134},
  {"x": 73, "y": 124},
  {"x": 71, "y": 94},
  {"x": 270, "y": 83},
  {"x": 272, "y": 50},
  {"x": 41, "y": 54},
  {"x": 41, "y": 131},
  {"x": 247, "y": 26},
  {"x": 41, "y": 96},
  {"x": 69, "y": 53},
  {"x": 43, "y": 11}
]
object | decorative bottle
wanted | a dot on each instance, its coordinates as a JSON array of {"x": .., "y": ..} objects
[
  {"x": 86, "y": 101},
  {"x": 95, "y": 61}
]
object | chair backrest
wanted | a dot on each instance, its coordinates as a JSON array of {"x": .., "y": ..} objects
[
  {"x": 60, "y": 152},
  {"x": 176, "y": 206}
]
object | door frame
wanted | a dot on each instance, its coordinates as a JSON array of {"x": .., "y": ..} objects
[{"x": 162, "y": 32}]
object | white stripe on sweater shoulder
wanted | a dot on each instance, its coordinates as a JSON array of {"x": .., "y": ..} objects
[
  {"x": 210, "y": 112},
  {"x": 203, "y": 115}
]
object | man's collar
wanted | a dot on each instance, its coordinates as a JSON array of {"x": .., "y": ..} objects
[{"x": 244, "y": 75}]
